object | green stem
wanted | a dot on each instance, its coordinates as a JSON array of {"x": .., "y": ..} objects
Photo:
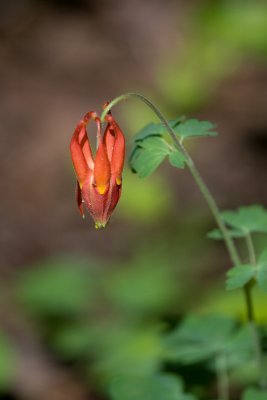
[
  {"x": 230, "y": 245},
  {"x": 251, "y": 250},
  {"x": 194, "y": 171},
  {"x": 222, "y": 377}
]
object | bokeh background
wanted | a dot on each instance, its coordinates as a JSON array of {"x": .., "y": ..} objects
[{"x": 78, "y": 306}]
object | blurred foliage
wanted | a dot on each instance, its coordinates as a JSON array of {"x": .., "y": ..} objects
[
  {"x": 55, "y": 288},
  {"x": 200, "y": 338},
  {"x": 151, "y": 149},
  {"x": 109, "y": 315},
  {"x": 219, "y": 36},
  {"x": 254, "y": 394},
  {"x": 7, "y": 362},
  {"x": 155, "y": 387},
  {"x": 144, "y": 201},
  {"x": 232, "y": 303}
]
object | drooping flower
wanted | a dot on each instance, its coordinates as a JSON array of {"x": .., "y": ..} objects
[{"x": 99, "y": 177}]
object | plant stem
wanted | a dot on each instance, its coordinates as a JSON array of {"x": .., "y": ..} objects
[
  {"x": 230, "y": 245},
  {"x": 194, "y": 171},
  {"x": 251, "y": 250},
  {"x": 222, "y": 377}
]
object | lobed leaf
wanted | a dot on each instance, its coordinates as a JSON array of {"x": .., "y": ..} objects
[
  {"x": 182, "y": 127},
  {"x": 148, "y": 155},
  {"x": 198, "y": 338},
  {"x": 239, "y": 276},
  {"x": 177, "y": 159},
  {"x": 195, "y": 128},
  {"x": 247, "y": 219},
  {"x": 159, "y": 129},
  {"x": 216, "y": 234}
]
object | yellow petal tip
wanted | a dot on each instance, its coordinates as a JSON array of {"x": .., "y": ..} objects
[
  {"x": 118, "y": 181},
  {"x": 101, "y": 189}
]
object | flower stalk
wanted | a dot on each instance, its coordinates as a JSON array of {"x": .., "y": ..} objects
[{"x": 229, "y": 242}]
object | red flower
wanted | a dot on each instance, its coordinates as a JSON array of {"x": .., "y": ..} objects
[{"x": 98, "y": 178}]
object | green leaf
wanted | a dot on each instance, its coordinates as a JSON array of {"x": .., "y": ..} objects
[
  {"x": 198, "y": 338},
  {"x": 177, "y": 159},
  {"x": 237, "y": 277},
  {"x": 155, "y": 387},
  {"x": 254, "y": 394},
  {"x": 156, "y": 129},
  {"x": 150, "y": 130},
  {"x": 55, "y": 288},
  {"x": 262, "y": 271},
  {"x": 148, "y": 155},
  {"x": 249, "y": 219},
  {"x": 7, "y": 362},
  {"x": 195, "y": 128},
  {"x": 239, "y": 347},
  {"x": 216, "y": 234}
]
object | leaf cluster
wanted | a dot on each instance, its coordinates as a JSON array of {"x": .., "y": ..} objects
[
  {"x": 151, "y": 147},
  {"x": 242, "y": 223},
  {"x": 207, "y": 338}
]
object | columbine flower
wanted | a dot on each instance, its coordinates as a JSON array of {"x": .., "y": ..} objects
[{"x": 98, "y": 177}]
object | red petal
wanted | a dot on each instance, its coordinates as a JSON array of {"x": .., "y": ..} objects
[
  {"x": 77, "y": 154},
  {"x": 94, "y": 201},
  {"x": 113, "y": 197},
  {"x": 84, "y": 142},
  {"x": 79, "y": 199},
  {"x": 102, "y": 164},
  {"x": 109, "y": 140},
  {"x": 118, "y": 153}
]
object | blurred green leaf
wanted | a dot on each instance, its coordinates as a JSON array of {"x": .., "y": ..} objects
[
  {"x": 237, "y": 277},
  {"x": 254, "y": 394},
  {"x": 124, "y": 349},
  {"x": 262, "y": 270},
  {"x": 217, "y": 39},
  {"x": 7, "y": 362},
  {"x": 248, "y": 219},
  {"x": 57, "y": 287},
  {"x": 157, "y": 387},
  {"x": 205, "y": 338},
  {"x": 146, "y": 285},
  {"x": 195, "y": 128},
  {"x": 148, "y": 155},
  {"x": 216, "y": 234},
  {"x": 239, "y": 347},
  {"x": 145, "y": 200},
  {"x": 177, "y": 159},
  {"x": 198, "y": 338}
]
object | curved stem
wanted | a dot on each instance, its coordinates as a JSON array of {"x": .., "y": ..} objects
[
  {"x": 230, "y": 245},
  {"x": 194, "y": 171}
]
